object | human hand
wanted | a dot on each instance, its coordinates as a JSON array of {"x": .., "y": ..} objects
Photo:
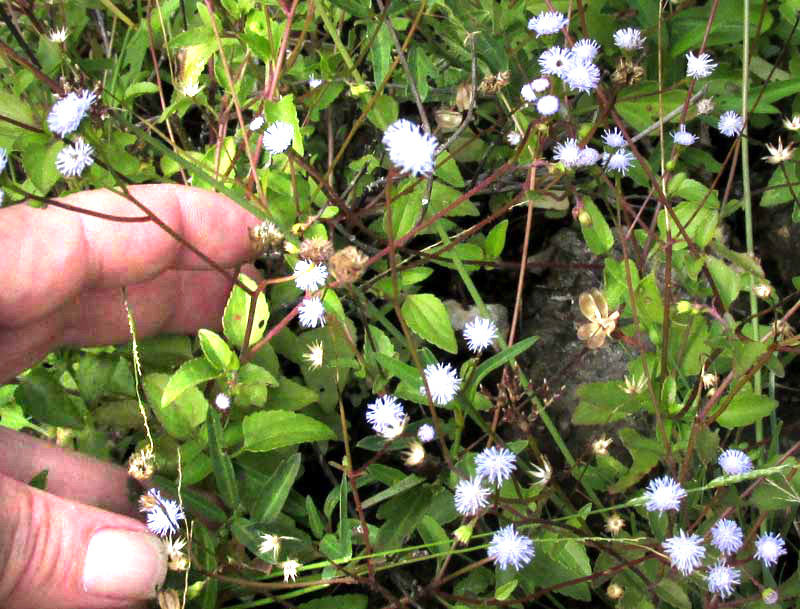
[{"x": 60, "y": 279}]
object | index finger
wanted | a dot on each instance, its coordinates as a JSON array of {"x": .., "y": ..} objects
[{"x": 61, "y": 253}]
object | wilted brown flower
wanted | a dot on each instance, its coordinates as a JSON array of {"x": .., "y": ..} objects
[
  {"x": 265, "y": 239},
  {"x": 595, "y": 308},
  {"x": 168, "y": 599},
  {"x": 614, "y": 524},
  {"x": 627, "y": 72},
  {"x": 348, "y": 264},
  {"x": 778, "y": 154},
  {"x": 141, "y": 464},
  {"x": 317, "y": 250}
]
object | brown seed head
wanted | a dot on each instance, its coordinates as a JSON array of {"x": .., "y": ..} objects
[
  {"x": 141, "y": 464},
  {"x": 348, "y": 264},
  {"x": 265, "y": 239},
  {"x": 317, "y": 250}
]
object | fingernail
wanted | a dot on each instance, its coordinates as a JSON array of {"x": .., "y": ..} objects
[{"x": 124, "y": 564}]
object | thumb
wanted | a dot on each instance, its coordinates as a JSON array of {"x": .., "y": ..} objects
[{"x": 56, "y": 553}]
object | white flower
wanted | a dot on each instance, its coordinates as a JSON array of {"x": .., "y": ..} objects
[
  {"x": 162, "y": 514},
  {"x": 315, "y": 355},
  {"x": 722, "y": 579},
  {"x": 314, "y": 82},
  {"x": 73, "y": 160},
  {"x": 3, "y": 159},
  {"x": 278, "y": 137},
  {"x": 67, "y": 113},
  {"x": 290, "y": 570},
  {"x": 496, "y": 464},
  {"x": 471, "y": 496},
  {"x": 582, "y": 76},
  {"x": 792, "y": 124},
  {"x": 555, "y": 61},
  {"x": 527, "y": 93},
  {"x": 567, "y": 152},
  {"x": 543, "y": 473},
  {"x": 426, "y": 433},
  {"x": 614, "y": 138},
  {"x": 683, "y": 137},
  {"x": 734, "y": 462},
  {"x": 547, "y": 105},
  {"x": 585, "y": 49},
  {"x": 58, "y": 35},
  {"x": 479, "y": 334},
  {"x": 664, "y": 494},
  {"x": 540, "y": 84},
  {"x": 513, "y": 138},
  {"x": 548, "y": 22},
  {"x": 443, "y": 382},
  {"x": 385, "y": 413},
  {"x": 685, "y": 552},
  {"x": 509, "y": 548},
  {"x": 190, "y": 88},
  {"x": 730, "y": 124},
  {"x": 588, "y": 156},
  {"x": 312, "y": 313},
  {"x": 409, "y": 148},
  {"x": 270, "y": 543},
  {"x": 699, "y": 66},
  {"x": 726, "y": 536},
  {"x": 629, "y": 39},
  {"x": 309, "y": 276},
  {"x": 222, "y": 401},
  {"x": 620, "y": 161},
  {"x": 769, "y": 548},
  {"x": 256, "y": 123}
]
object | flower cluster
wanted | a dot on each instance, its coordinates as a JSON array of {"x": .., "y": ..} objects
[{"x": 67, "y": 113}]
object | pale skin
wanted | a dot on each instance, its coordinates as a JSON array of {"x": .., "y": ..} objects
[{"x": 60, "y": 284}]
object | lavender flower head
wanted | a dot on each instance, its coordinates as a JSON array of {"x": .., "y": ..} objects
[
  {"x": 495, "y": 464},
  {"x": 769, "y": 548},
  {"x": 734, "y": 462},
  {"x": 509, "y": 548},
  {"x": 685, "y": 552},
  {"x": 664, "y": 494},
  {"x": 727, "y": 536},
  {"x": 722, "y": 579},
  {"x": 471, "y": 496}
]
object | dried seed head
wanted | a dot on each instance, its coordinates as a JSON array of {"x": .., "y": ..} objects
[
  {"x": 627, "y": 72},
  {"x": 448, "y": 120},
  {"x": 348, "y": 264},
  {"x": 141, "y": 464},
  {"x": 178, "y": 561},
  {"x": 169, "y": 599},
  {"x": 464, "y": 96},
  {"x": 317, "y": 250},
  {"x": 265, "y": 239},
  {"x": 705, "y": 106}
]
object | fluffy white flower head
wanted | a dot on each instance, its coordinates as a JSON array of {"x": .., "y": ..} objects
[
  {"x": 683, "y": 137},
  {"x": 72, "y": 160},
  {"x": 162, "y": 514},
  {"x": 727, "y": 536},
  {"x": 314, "y": 82},
  {"x": 730, "y": 124},
  {"x": 513, "y": 138},
  {"x": 588, "y": 156},
  {"x": 385, "y": 413},
  {"x": 722, "y": 579},
  {"x": 222, "y": 401},
  {"x": 620, "y": 161},
  {"x": 311, "y": 313},
  {"x": 471, "y": 496},
  {"x": 685, "y": 552},
  {"x": 585, "y": 49},
  {"x": 734, "y": 462},
  {"x": 309, "y": 276},
  {"x": 629, "y": 39},
  {"x": 664, "y": 494},
  {"x": 495, "y": 464},
  {"x": 3, "y": 159},
  {"x": 443, "y": 382},
  {"x": 479, "y": 334},
  {"x": 769, "y": 548},
  {"x": 278, "y": 137},
  {"x": 527, "y": 93},
  {"x": 256, "y": 123},
  {"x": 67, "y": 113},
  {"x": 547, "y": 22},
  {"x": 582, "y": 76},
  {"x": 699, "y": 66},
  {"x": 426, "y": 433},
  {"x": 614, "y": 138},
  {"x": 547, "y": 105},
  {"x": 58, "y": 35},
  {"x": 409, "y": 148},
  {"x": 540, "y": 85},
  {"x": 509, "y": 548},
  {"x": 555, "y": 61},
  {"x": 567, "y": 152}
]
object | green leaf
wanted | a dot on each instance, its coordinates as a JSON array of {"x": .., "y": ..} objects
[
  {"x": 496, "y": 240},
  {"x": 434, "y": 536},
  {"x": 504, "y": 591},
  {"x": 404, "y": 372},
  {"x": 778, "y": 190},
  {"x": 180, "y": 417},
  {"x": 745, "y": 409},
  {"x": 14, "y": 108},
  {"x": 380, "y": 52},
  {"x": 384, "y": 112},
  {"x": 421, "y": 68},
  {"x": 273, "y": 429},
  {"x": 426, "y": 315},
  {"x": 606, "y": 402},
  {"x": 403, "y": 514},
  {"x": 45, "y": 400},
  {"x": 353, "y": 7},
  {"x": 496, "y": 361},
  {"x": 725, "y": 278},
  {"x": 40, "y": 163},
  {"x": 646, "y": 454},
  {"x": 220, "y": 462},
  {"x": 140, "y": 88},
  {"x": 314, "y": 519},
  {"x": 291, "y": 394},
  {"x": 339, "y": 601},
  {"x": 673, "y": 593},
  {"x": 276, "y": 490},
  {"x": 560, "y": 560},
  {"x": 597, "y": 234},
  {"x": 190, "y": 374},
  {"x": 405, "y": 213},
  {"x": 217, "y": 351},
  {"x": 401, "y": 486},
  {"x": 234, "y": 319}
]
